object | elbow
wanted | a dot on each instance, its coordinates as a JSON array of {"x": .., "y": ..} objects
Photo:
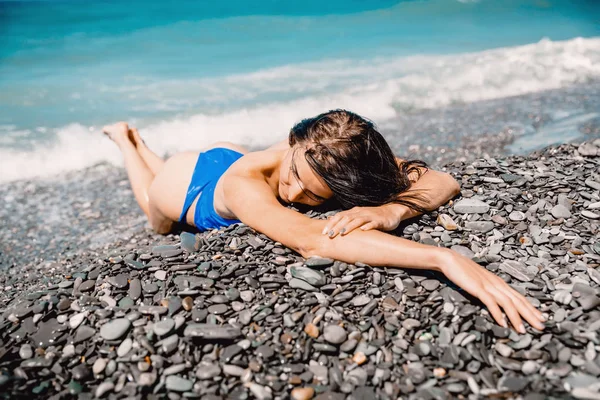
[
  {"x": 454, "y": 186},
  {"x": 314, "y": 245}
]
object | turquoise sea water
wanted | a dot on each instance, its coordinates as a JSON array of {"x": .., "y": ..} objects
[{"x": 192, "y": 72}]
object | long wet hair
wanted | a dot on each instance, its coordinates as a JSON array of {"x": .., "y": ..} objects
[{"x": 355, "y": 161}]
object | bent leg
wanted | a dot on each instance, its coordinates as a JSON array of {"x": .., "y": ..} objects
[
  {"x": 152, "y": 160},
  {"x": 140, "y": 176}
]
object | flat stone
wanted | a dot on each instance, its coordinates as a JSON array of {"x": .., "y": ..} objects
[
  {"x": 163, "y": 327},
  {"x": 361, "y": 300},
  {"x": 560, "y": 211},
  {"x": 212, "y": 332},
  {"x": 188, "y": 242},
  {"x": 77, "y": 319},
  {"x": 178, "y": 384},
  {"x": 318, "y": 262},
  {"x": 590, "y": 215},
  {"x": 160, "y": 275},
  {"x": 135, "y": 289},
  {"x": 124, "y": 347},
  {"x": 517, "y": 270},
  {"x": 471, "y": 206},
  {"x": 149, "y": 310},
  {"x": 218, "y": 309},
  {"x": 104, "y": 388},
  {"x": 115, "y": 329},
  {"x": 480, "y": 226},
  {"x": 87, "y": 286},
  {"x": 83, "y": 333},
  {"x": 119, "y": 281},
  {"x": 588, "y": 150},
  {"x": 208, "y": 371},
  {"x": 300, "y": 284},
  {"x": 516, "y": 216},
  {"x": 99, "y": 365},
  {"x": 311, "y": 276}
]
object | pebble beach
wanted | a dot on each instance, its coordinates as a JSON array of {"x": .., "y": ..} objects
[{"x": 95, "y": 305}]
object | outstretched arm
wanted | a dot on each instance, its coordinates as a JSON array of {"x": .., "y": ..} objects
[
  {"x": 253, "y": 203},
  {"x": 434, "y": 188}
]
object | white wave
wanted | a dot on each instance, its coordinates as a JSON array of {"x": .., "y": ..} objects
[{"x": 260, "y": 107}]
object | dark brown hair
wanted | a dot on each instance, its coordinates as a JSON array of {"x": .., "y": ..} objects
[{"x": 355, "y": 161}]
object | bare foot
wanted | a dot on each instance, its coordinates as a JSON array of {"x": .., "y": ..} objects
[
  {"x": 117, "y": 132},
  {"x": 135, "y": 138}
]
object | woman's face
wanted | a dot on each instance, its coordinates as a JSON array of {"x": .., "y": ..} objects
[{"x": 298, "y": 183}]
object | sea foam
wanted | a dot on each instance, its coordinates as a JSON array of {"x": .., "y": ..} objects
[{"x": 257, "y": 109}]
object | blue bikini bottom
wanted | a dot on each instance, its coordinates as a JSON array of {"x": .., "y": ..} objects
[{"x": 209, "y": 168}]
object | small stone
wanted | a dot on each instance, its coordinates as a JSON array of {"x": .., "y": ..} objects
[
  {"x": 26, "y": 351},
  {"x": 80, "y": 372},
  {"x": 590, "y": 215},
  {"x": 187, "y": 303},
  {"x": 87, "y": 286},
  {"x": 259, "y": 391},
  {"x": 480, "y": 226},
  {"x": 218, "y": 309},
  {"x": 318, "y": 262},
  {"x": 99, "y": 365},
  {"x": 447, "y": 222},
  {"x": 311, "y": 276},
  {"x": 83, "y": 333},
  {"x": 160, "y": 275},
  {"x": 135, "y": 289},
  {"x": 188, "y": 242},
  {"x": 247, "y": 295},
  {"x": 118, "y": 281},
  {"x": 359, "y": 358},
  {"x": 311, "y": 330},
  {"x": 560, "y": 211},
  {"x": 517, "y": 270},
  {"x": 300, "y": 284},
  {"x": 210, "y": 331},
  {"x": 178, "y": 384},
  {"x": 124, "y": 347},
  {"x": 588, "y": 150},
  {"x": 516, "y": 216},
  {"x": 104, "y": 388},
  {"x": 305, "y": 393},
  {"x": 334, "y": 334},
  {"x": 471, "y": 206},
  {"x": 439, "y": 373},
  {"x": 399, "y": 284},
  {"x": 163, "y": 327},
  {"x": 115, "y": 329},
  {"x": 562, "y": 296}
]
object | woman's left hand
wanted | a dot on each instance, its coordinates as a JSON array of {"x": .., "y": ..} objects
[{"x": 383, "y": 218}]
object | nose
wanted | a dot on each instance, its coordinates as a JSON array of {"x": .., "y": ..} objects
[{"x": 294, "y": 192}]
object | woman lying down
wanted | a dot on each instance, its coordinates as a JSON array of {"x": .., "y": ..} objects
[{"x": 336, "y": 155}]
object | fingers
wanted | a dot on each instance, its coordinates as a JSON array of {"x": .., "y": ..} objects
[
  {"x": 352, "y": 225},
  {"x": 519, "y": 303},
  {"x": 331, "y": 222},
  {"x": 509, "y": 308},
  {"x": 493, "y": 308},
  {"x": 526, "y": 309}
]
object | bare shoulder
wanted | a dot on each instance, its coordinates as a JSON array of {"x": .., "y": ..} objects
[{"x": 255, "y": 164}]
